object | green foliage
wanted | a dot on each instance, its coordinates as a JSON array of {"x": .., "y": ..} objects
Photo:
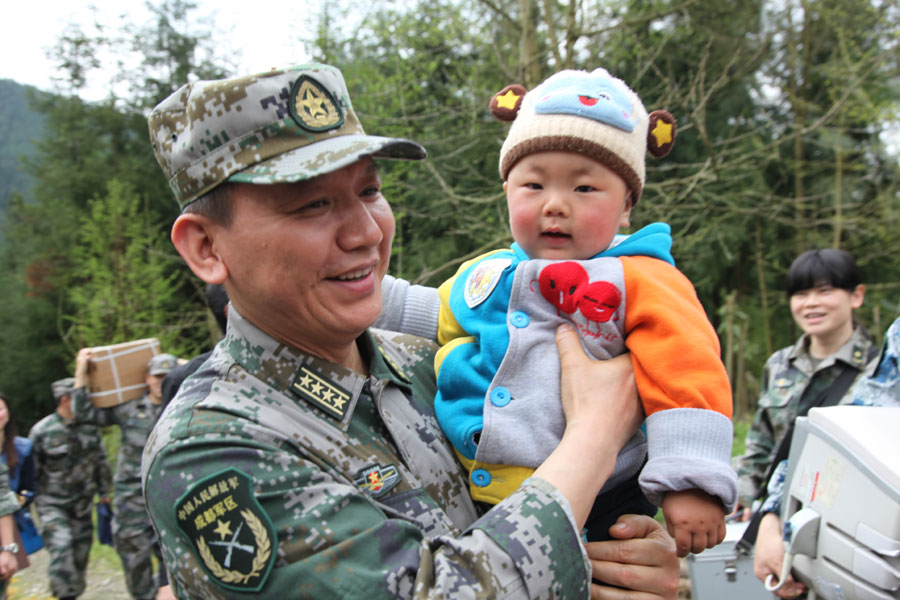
[
  {"x": 84, "y": 258},
  {"x": 782, "y": 111},
  {"x": 18, "y": 126},
  {"x": 124, "y": 284},
  {"x": 741, "y": 427}
]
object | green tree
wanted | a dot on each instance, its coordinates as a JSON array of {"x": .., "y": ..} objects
[
  {"x": 86, "y": 146},
  {"x": 125, "y": 284}
]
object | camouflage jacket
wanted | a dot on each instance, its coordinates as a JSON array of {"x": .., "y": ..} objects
[
  {"x": 69, "y": 463},
  {"x": 8, "y": 501},
  {"x": 276, "y": 473},
  {"x": 135, "y": 420},
  {"x": 791, "y": 383},
  {"x": 881, "y": 388}
]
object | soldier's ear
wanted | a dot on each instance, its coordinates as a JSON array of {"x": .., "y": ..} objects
[{"x": 194, "y": 236}]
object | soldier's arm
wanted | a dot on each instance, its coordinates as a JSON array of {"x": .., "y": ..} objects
[
  {"x": 83, "y": 410},
  {"x": 37, "y": 452},
  {"x": 238, "y": 508},
  {"x": 305, "y": 528}
]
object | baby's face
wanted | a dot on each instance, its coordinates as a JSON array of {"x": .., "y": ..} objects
[{"x": 564, "y": 205}]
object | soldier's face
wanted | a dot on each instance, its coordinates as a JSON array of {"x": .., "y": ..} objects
[
  {"x": 825, "y": 310},
  {"x": 154, "y": 385},
  {"x": 305, "y": 260}
]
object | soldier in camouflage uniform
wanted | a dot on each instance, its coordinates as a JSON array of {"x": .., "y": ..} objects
[
  {"x": 880, "y": 388},
  {"x": 824, "y": 286},
  {"x": 303, "y": 459},
  {"x": 70, "y": 469},
  {"x": 133, "y": 533}
]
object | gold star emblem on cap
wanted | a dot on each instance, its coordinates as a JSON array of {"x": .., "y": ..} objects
[
  {"x": 313, "y": 107},
  {"x": 223, "y": 528},
  {"x": 662, "y": 132},
  {"x": 508, "y": 100},
  {"x": 313, "y": 103}
]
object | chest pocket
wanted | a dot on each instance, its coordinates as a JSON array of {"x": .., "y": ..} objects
[
  {"x": 783, "y": 387},
  {"x": 57, "y": 455}
]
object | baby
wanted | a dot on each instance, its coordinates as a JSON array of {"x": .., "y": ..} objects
[{"x": 573, "y": 168}]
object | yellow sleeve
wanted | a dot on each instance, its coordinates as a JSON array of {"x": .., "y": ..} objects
[{"x": 448, "y": 328}]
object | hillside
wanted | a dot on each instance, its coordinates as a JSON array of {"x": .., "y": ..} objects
[{"x": 19, "y": 126}]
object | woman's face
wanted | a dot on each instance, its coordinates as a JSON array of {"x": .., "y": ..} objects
[
  {"x": 824, "y": 310},
  {"x": 4, "y": 413}
]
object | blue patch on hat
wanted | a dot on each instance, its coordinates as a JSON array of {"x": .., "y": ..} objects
[{"x": 595, "y": 97}]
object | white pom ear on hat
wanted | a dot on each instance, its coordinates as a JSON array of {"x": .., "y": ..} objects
[
  {"x": 505, "y": 104},
  {"x": 660, "y": 133}
]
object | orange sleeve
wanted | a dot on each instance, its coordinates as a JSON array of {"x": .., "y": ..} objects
[{"x": 674, "y": 348}]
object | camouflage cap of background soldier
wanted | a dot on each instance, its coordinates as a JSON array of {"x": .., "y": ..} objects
[
  {"x": 62, "y": 387},
  {"x": 282, "y": 126},
  {"x": 161, "y": 364}
]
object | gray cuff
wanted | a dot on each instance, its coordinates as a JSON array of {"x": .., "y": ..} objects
[
  {"x": 689, "y": 448},
  {"x": 408, "y": 308}
]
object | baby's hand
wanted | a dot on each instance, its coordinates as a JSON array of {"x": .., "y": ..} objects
[{"x": 695, "y": 519}]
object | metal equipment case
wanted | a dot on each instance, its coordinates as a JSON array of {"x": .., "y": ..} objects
[{"x": 721, "y": 573}]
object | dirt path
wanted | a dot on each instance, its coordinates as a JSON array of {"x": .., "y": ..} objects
[{"x": 104, "y": 579}]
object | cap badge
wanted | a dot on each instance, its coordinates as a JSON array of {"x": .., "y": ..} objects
[{"x": 313, "y": 107}]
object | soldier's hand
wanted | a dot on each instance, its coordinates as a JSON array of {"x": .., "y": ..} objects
[
  {"x": 81, "y": 367},
  {"x": 591, "y": 390},
  {"x": 640, "y": 559}
]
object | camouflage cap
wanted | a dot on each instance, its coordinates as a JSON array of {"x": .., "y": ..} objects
[
  {"x": 161, "y": 364},
  {"x": 282, "y": 126},
  {"x": 62, "y": 387}
]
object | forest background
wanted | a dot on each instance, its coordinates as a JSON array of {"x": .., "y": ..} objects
[{"x": 788, "y": 139}]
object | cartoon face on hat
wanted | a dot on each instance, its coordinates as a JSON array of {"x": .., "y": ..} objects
[
  {"x": 161, "y": 364},
  {"x": 282, "y": 126},
  {"x": 587, "y": 112},
  {"x": 601, "y": 99}
]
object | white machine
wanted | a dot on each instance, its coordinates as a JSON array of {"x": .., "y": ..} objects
[{"x": 842, "y": 503}]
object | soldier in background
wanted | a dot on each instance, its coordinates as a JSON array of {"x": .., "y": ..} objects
[
  {"x": 823, "y": 286},
  {"x": 71, "y": 468},
  {"x": 133, "y": 534}
]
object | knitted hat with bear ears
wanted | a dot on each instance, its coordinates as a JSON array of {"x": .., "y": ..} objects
[{"x": 591, "y": 113}]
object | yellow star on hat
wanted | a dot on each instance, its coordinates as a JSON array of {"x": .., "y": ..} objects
[
  {"x": 508, "y": 100},
  {"x": 662, "y": 132}
]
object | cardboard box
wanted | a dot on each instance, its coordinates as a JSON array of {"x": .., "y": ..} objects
[
  {"x": 721, "y": 573},
  {"x": 116, "y": 373}
]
